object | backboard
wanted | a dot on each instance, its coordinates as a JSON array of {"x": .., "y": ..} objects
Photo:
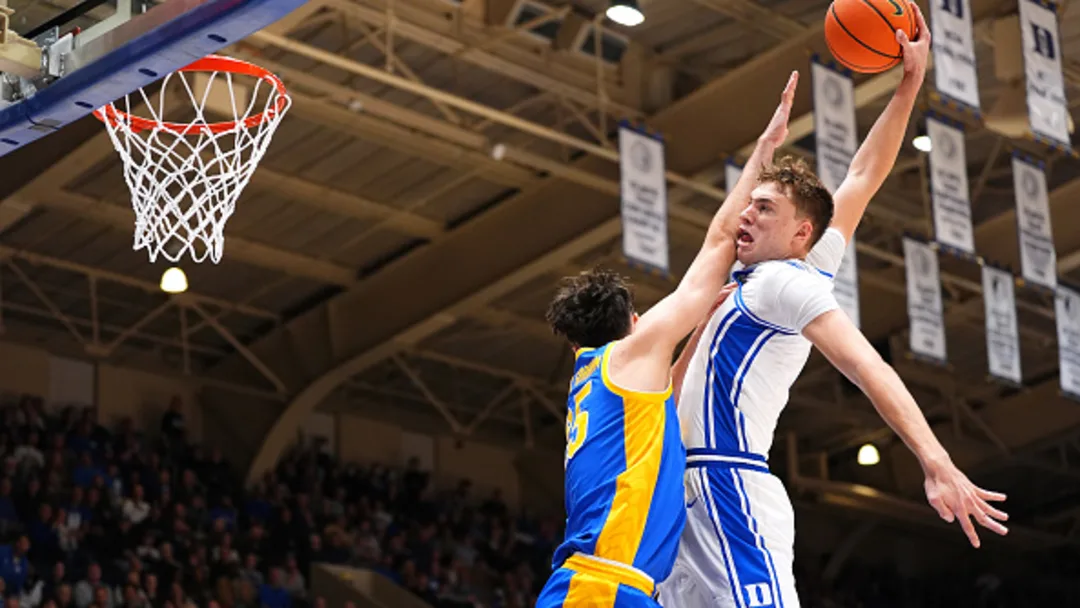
[{"x": 58, "y": 74}]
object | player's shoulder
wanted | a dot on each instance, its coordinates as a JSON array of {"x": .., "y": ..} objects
[
  {"x": 771, "y": 288},
  {"x": 783, "y": 271}
]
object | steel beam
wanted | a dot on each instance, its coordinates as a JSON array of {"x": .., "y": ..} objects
[
  {"x": 345, "y": 204},
  {"x": 38, "y": 259},
  {"x": 250, "y": 252},
  {"x": 553, "y": 74}
]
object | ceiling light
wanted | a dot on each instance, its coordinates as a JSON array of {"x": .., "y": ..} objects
[
  {"x": 174, "y": 280},
  {"x": 868, "y": 455},
  {"x": 921, "y": 143},
  {"x": 625, "y": 12}
]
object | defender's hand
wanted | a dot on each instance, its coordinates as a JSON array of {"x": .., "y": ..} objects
[
  {"x": 776, "y": 133},
  {"x": 916, "y": 52},
  {"x": 953, "y": 496}
]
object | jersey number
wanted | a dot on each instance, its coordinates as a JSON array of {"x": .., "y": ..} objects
[{"x": 577, "y": 423}]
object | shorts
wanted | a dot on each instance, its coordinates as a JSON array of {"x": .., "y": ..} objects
[
  {"x": 590, "y": 589},
  {"x": 738, "y": 547}
]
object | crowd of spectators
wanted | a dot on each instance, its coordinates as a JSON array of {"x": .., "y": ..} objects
[
  {"x": 102, "y": 518},
  {"x": 105, "y": 518}
]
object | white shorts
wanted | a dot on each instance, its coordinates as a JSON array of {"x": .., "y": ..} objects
[{"x": 738, "y": 547}]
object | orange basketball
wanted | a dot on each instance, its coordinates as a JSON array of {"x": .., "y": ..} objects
[{"x": 862, "y": 33}]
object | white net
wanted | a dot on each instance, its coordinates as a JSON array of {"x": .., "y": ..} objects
[{"x": 186, "y": 176}]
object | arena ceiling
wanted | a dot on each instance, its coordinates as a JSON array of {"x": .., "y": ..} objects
[{"x": 445, "y": 162}]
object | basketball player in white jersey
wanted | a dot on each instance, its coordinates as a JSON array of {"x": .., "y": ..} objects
[{"x": 737, "y": 548}]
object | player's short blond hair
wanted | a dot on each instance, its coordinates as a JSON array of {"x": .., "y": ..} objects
[{"x": 812, "y": 200}]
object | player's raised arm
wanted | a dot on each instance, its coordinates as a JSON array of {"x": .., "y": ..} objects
[
  {"x": 876, "y": 156},
  {"x": 661, "y": 328},
  {"x": 949, "y": 491}
]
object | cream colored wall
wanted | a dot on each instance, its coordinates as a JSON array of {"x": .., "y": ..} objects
[
  {"x": 363, "y": 440},
  {"x": 488, "y": 467},
  {"x": 123, "y": 392},
  {"x": 23, "y": 369},
  {"x": 118, "y": 392}
]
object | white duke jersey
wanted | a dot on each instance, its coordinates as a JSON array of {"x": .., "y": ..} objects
[{"x": 752, "y": 351}]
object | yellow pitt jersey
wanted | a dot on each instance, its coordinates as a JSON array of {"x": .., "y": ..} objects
[{"x": 624, "y": 471}]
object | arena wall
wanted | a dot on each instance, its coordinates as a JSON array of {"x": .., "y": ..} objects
[
  {"x": 116, "y": 392},
  {"x": 238, "y": 423}
]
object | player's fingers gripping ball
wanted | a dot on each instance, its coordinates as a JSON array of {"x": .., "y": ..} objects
[{"x": 861, "y": 34}]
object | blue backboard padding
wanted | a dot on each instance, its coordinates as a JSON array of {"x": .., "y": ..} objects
[{"x": 175, "y": 44}]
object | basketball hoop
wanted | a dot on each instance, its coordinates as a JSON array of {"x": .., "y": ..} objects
[{"x": 185, "y": 177}]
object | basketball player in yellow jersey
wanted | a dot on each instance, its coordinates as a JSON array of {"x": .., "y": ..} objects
[{"x": 624, "y": 454}]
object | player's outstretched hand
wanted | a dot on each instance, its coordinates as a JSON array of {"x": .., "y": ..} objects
[
  {"x": 916, "y": 52},
  {"x": 954, "y": 497},
  {"x": 777, "y": 131}
]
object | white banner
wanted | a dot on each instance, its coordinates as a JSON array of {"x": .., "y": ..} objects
[
  {"x": 1002, "y": 333},
  {"x": 644, "y": 199},
  {"x": 949, "y": 186},
  {"x": 846, "y": 284},
  {"x": 837, "y": 139},
  {"x": 924, "y": 300},
  {"x": 955, "y": 73},
  {"x": 1047, "y": 107},
  {"x": 1067, "y": 308},
  {"x": 732, "y": 172},
  {"x": 835, "y": 133},
  {"x": 1038, "y": 259}
]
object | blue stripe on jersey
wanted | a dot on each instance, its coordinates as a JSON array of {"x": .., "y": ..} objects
[
  {"x": 736, "y": 343},
  {"x": 749, "y": 565},
  {"x": 739, "y": 384},
  {"x": 740, "y": 488},
  {"x": 725, "y": 546},
  {"x": 706, "y": 403}
]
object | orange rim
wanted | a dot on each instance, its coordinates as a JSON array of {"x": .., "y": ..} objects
[{"x": 210, "y": 63}]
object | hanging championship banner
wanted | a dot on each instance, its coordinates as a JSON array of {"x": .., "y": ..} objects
[
  {"x": 846, "y": 284},
  {"x": 955, "y": 73},
  {"x": 732, "y": 173},
  {"x": 949, "y": 186},
  {"x": 1038, "y": 258},
  {"x": 643, "y": 191},
  {"x": 835, "y": 132},
  {"x": 1048, "y": 109},
  {"x": 924, "y": 301},
  {"x": 837, "y": 139},
  {"x": 1067, "y": 309},
  {"x": 1002, "y": 332}
]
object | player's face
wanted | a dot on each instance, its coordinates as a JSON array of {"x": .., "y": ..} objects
[{"x": 769, "y": 228}]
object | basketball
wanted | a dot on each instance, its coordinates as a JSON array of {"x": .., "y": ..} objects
[{"x": 861, "y": 34}]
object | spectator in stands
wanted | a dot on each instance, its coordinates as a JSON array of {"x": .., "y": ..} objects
[
  {"x": 273, "y": 594},
  {"x": 173, "y": 426},
  {"x": 14, "y": 565}
]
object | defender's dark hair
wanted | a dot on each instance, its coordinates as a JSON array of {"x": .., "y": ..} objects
[
  {"x": 591, "y": 309},
  {"x": 805, "y": 189}
]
